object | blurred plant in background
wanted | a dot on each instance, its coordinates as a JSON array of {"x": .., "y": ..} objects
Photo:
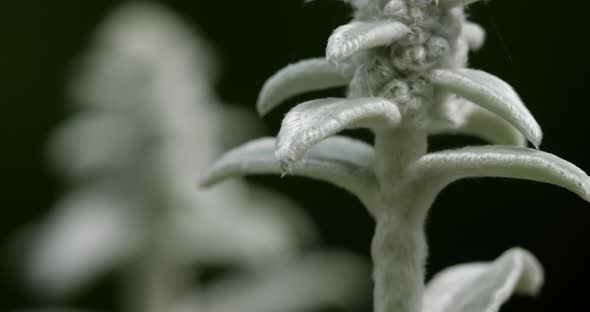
[{"x": 147, "y": 122}]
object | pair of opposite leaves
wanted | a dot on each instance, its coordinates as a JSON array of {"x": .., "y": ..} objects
[{"x": 486, "y": 107}]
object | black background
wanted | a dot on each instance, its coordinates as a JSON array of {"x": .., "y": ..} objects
[{"x": 537, "y": 46}]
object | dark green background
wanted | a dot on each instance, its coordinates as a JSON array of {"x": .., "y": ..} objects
[{"x": 537, "y": 46}]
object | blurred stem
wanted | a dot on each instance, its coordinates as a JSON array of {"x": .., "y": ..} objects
[
  {"x": 149, "y": 285},
  {"x": 154, "y": 278}
]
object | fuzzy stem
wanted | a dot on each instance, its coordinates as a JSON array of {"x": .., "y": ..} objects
[
  {"x": 396, "y": 149},
  {"x": 399, "y": 252},
  {"x": 399, "y": 247}
]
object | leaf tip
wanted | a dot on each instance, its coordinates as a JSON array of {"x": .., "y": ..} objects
[
  {"x": 537, "y": 137},
  {"x": 533, "y": 133},
  {"x": 205, "y": 181},
  {"x": 332, "y": 56},
  {"x": 262, "y": 103},
  {"x": 261, "y": 108},
  {"x": 286, "y": 163},
  {"x": 533, "y": 275},
  {"x": 586, "y": 189}
]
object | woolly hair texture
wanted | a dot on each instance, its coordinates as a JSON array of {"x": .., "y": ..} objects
[
  {"x": 405, "y": 63},
  {"x": 533, "y": 45}
]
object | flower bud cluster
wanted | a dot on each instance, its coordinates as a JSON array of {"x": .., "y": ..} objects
[{"x": 399, "y": 71}]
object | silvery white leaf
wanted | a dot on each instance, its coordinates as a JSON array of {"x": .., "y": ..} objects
[
  {"x": 355, "y": 36},
  {"x": 484, "y": 287},
  {"x": 328, "y": 279},
  {"x": 449, "y": 4},
  {"x": 474, "y": 35},
  {"x": 492, "y": 94},
  {"x": 89, "y": 234},
  {"x": 344, "y": 162},
  {"x": 311, "y": 122},
  {"x": 505, "y": 162},
  {"x": 469, "y": 119},
  {"x": 304, "y": 76}
]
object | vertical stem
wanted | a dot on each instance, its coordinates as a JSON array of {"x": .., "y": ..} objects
[
  {"x": 399, "y": 252},
  {"x": 399, "y": 247},
  {"x": 149, "y": 284},
  {"x": 396, "y": 149},
  {"x": 155, "y": 278}
]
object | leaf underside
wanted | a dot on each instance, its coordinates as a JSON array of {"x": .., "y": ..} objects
[
  {"x": 484, "y": 287},
  {"x": 493, "y": 94},
  {"x": 301, "y": 77},
  {"x": 341, "y": 161},
  {"x": 469, "y": 119},
  {"x": 505, "y": 162}
]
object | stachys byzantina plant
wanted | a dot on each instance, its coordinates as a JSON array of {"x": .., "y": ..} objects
[
  {"x": 147, "y": 121},
  {"x": 404, "y": 62}
]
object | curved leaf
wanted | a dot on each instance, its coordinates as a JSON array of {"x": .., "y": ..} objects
[
  {"x": 505, "y": 162},
  {"x": 492, "y": 94},
  {"x": 449, "y": 4},
  {"x": 484, "y": 287},
  {"x": 344, "y": 162},
  {"x": 91, "y": 225},
  {"x": 304, "y": 76},
  {"x": 313, "y": 121},
  {"x": 470, "y": 119},
  {"x": 351, "y": 38}
]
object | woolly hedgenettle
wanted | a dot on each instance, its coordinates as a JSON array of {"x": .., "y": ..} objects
[
  {"x": 148, "y": 121},
  {"x": 404, "y": 62}
]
